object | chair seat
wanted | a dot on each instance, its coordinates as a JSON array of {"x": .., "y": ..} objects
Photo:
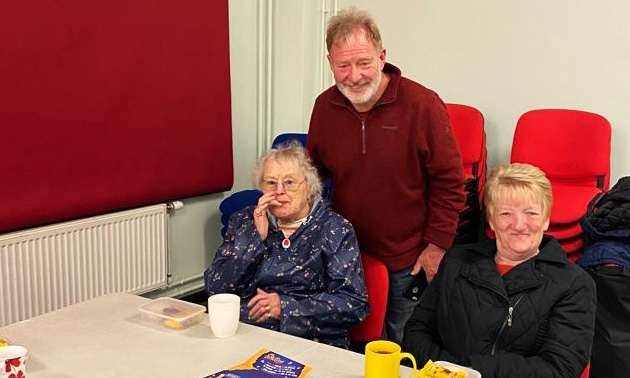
[
  {"x": 570, "y": 203},
  {"x": 587, "y": 371},
  {"x": 574, "y": 256},
  {"x": 573, "y": 245},
  {"x": 377, "y": 285},
  {"x": 563, "y": 232}
]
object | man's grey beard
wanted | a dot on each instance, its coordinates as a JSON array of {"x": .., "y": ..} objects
[{"x": 365, "y": 97}]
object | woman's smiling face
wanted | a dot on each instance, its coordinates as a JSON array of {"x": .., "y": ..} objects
[{"x": 519, "y": 225}]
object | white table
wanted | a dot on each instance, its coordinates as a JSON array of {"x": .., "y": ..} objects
[{"x": 106, "y": 337}]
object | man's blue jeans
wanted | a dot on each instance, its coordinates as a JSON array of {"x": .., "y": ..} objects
[{"x": 399, "y": 308}]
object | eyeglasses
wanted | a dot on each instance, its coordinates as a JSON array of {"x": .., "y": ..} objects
[{"x": 289, "y": 184}]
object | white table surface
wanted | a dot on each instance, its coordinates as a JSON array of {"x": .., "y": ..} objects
[{"x": 106, "y": 337}]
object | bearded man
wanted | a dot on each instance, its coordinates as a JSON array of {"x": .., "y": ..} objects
[{"x": 387, "y": 143}]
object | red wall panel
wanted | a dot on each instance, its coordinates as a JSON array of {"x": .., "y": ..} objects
[{"x": 106, "y": 105}]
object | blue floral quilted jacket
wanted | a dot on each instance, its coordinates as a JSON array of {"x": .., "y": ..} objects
[{"x": 319, "y": 277}]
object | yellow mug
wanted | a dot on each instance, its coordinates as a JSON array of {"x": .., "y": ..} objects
[{"x": 382, "y": 360}]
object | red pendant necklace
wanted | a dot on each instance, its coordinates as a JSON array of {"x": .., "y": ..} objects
[{"x": 286, "y": 243}]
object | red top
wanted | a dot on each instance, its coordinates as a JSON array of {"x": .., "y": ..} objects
[
  {"x": 504, "y": 268},
  {"x": 397, "y": 172}
]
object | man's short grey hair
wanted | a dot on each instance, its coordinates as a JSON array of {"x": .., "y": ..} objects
[
  {"x": 292, "y": 152},
  {"x": 343, "y": 24}
]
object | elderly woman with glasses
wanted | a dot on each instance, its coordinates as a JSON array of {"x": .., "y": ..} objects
[
  {"x": 292, "y": 260},
  {"x": 510, "y": 307}
]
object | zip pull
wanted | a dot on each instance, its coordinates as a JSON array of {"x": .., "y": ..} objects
[{"x": 509, "y": 319}]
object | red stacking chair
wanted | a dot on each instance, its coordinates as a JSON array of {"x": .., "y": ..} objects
[
  {"x": 572, "y": 147},
  {"x": 587, "y": 371},
  {"x": 377, "y": 284},
  {"x": 468, "y": 127},
  {"x": 467, "y": 124}
]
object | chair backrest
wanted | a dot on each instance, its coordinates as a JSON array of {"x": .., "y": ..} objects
[
  {"x": 571, "y": 146},
  {"x": 235, "y": 202},
  {"x": 468, "y": 127},
  {"x": 377, "y": 285},
  {"x": 467, "y": 124},
  {"x": 283, "y": 138},
  {"x": 239, "y": 200},
  {"x": 301, "y": 137}
]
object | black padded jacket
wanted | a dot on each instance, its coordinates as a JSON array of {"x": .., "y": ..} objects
[{"x": 535, "y": 321}]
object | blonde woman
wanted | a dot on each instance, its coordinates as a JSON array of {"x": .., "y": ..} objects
[{"x": 514, "y": 306}]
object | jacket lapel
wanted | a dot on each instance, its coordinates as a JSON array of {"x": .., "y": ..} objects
[{"x": 482, "y": 270}]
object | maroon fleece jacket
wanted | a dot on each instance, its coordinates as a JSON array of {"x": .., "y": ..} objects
[{"x": 397, "y": 171}]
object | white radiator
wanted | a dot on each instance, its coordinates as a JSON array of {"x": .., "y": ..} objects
[{"x": 47, "y": 268}]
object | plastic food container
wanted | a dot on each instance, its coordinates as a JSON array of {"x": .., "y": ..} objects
[
  {"x": 470, "y": 373},
  {"x": 172, "y": 313}
]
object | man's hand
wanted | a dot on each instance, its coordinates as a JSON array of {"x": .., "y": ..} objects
[
  {"x": 264, "y": 306},
  {"x": 260, "y": 217},
  {"x": 429, "y": 260}
]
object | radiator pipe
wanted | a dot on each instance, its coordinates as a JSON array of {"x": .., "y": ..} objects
[
  {"x": 185, "y": 281},
  {"x": 189, "y": 291},
  {"x": 174, "y": 289},
  {"x": 172, "y": 207}
]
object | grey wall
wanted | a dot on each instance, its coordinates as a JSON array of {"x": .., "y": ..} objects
[{"x": 503, "y": 57}]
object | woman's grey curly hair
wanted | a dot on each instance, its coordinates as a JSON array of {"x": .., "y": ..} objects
[{"x": 293, "y": 152}]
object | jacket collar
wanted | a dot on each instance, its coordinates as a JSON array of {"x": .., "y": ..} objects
[
  {"x": 550, "y": 250},
  {"x": 482, "y": 270},
  {"x": 390, "y": 94}
]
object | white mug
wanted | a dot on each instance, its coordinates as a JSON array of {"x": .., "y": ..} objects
[
  {"x": 13, "y": 361},
  {"x": 224, "y": 311}
]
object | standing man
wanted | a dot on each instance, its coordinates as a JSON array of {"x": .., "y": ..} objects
[{"x": 388, "y": 146}]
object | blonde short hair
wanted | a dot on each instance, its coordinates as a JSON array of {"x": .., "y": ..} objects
[
  {"x": 343, "y": 24},
  {"x": 517, "y": 181},
  {"x": 292, "y": 152}
]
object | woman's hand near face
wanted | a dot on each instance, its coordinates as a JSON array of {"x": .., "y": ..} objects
[
  {"x": 264, "y": 306},
  {"x": 260, "y": 218}
]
